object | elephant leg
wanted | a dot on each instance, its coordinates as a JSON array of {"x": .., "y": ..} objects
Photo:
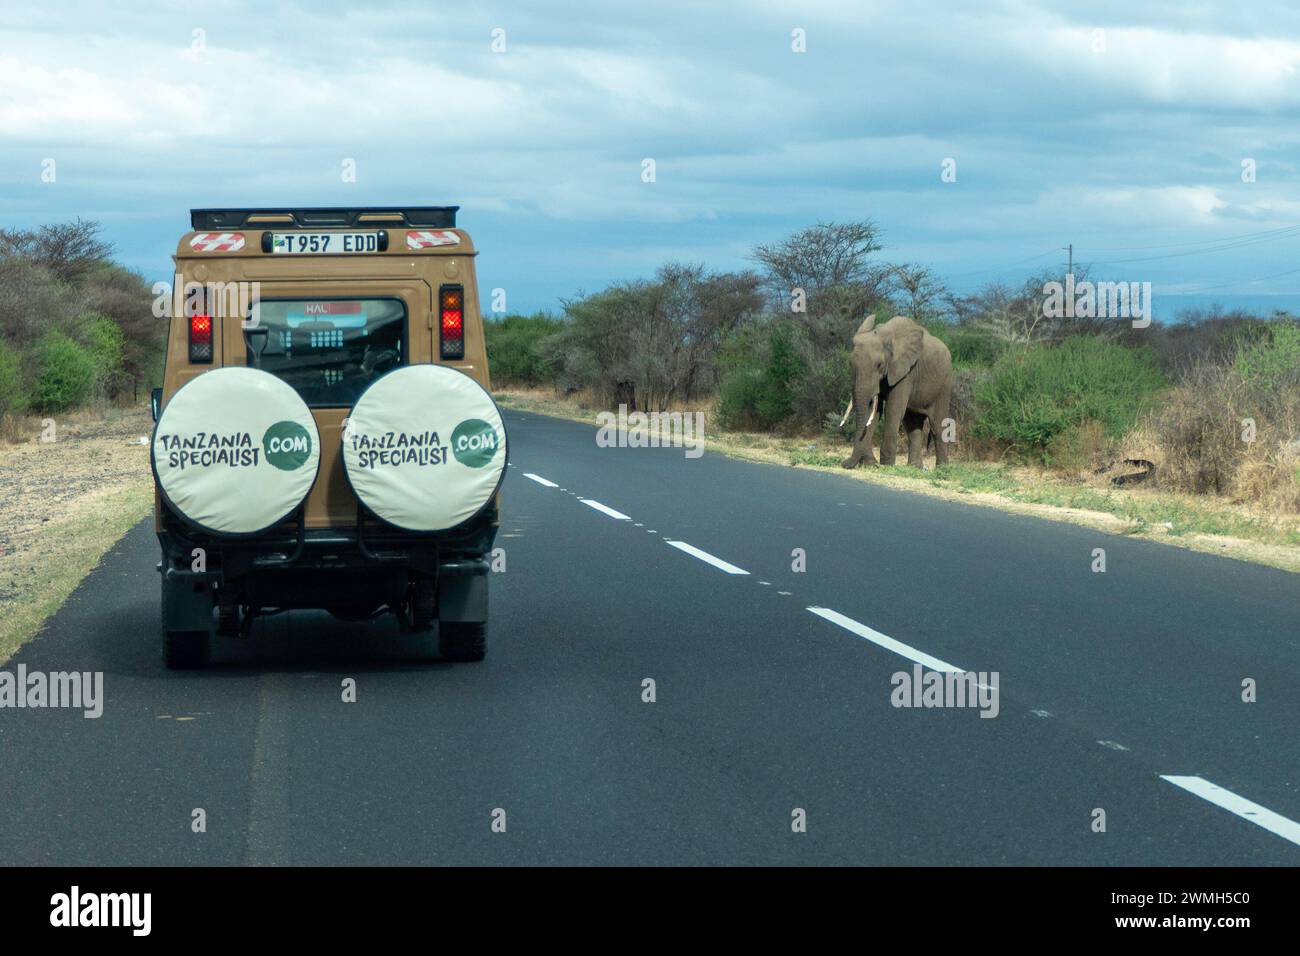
[
  {"x": 938, "y": 414},
  {"x": 861, "y": 454},
  {"x": 893, "y": 419},
  {"x": 914, "y": 422}
]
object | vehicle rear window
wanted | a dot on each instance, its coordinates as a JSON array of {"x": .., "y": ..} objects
[{"x": 328, "y": 349}]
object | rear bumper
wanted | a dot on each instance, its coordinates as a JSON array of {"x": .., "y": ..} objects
[{"x": 350, "y": 570}]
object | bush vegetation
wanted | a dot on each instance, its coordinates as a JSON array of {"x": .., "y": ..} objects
[
  {"x": 1031, "y": 397},
  {"x": 75, "y": 327},
  {"x": 770, "y": 349},
  {"x": 1212, "y": 399}
]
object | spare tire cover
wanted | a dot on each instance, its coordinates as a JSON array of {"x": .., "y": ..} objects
[
  {"x": 235, "y": 450},
  {"x": 424, "y": 447}
]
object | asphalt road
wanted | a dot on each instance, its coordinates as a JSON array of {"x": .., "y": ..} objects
[{"x": 1107, "y": 683}]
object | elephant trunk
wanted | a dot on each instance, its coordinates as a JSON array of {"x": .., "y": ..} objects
[{"x": 866, "y": 411}]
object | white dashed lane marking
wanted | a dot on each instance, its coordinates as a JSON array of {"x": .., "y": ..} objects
[
  {"x": 605, "y": 509},
  {"x": 1246, "y": 809},
  {"x": 1225, "y": 799},
  {"x": 882, "y": 640},
  {"x": 706, "y": 557}
]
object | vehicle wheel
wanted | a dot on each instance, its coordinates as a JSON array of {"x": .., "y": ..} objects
[
  {"x": 182, "y": 650},
  {"x": 462, "y": 640}
]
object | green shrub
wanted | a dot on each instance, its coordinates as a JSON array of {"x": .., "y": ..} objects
[
  {"x": 514, "y": 347},
  {"x": 1032, "y": 396},
  {"x": 761, "y": 379},
  {"x": 106, "y": 344},
  {"x": 65, "y": 374},
  {"x": 11, "y": 389},
  {"x": 970, "y": 347},
  {"x": 1272, "y": 361}
]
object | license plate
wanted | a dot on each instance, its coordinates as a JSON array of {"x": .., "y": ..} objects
[{"x": 323, "y": 243}]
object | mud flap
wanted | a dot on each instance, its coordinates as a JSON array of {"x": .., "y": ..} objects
[
  {"x": 462, "y": 597},
  {"x": 184, "y": 608}
]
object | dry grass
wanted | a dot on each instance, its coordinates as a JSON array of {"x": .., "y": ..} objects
[
  {"x": 65, "y": 503},
  {"x": 1217, "y": 435}
]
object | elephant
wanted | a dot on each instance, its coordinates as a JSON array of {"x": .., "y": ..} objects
[{"x": 910, "y": 371}]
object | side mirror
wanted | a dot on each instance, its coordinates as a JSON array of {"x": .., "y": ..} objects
[{"x": 155, "y": 402}]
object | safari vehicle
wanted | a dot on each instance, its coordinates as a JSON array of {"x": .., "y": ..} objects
[{"x": 325, "y": 436}]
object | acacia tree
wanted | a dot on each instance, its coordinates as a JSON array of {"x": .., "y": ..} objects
[
  {"x": 820, "y": 257},
  {"x": 648, "y": 343},
  {"x": 69, "y": 250},
  {"x": 921, "y": 288},
  {"x": 823, "y": 282}
]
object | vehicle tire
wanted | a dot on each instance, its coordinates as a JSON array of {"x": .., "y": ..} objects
[
  {"x": 182, "y": 650},
  {"x": 462, "y": 640}
]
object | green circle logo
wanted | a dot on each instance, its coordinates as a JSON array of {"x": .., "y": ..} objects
[
  {"x": 474, "y": 443},
  {"x": 287, "y": 445}
]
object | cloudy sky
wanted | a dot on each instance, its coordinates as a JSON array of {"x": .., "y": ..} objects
[{"x": 1121, "y": 127}]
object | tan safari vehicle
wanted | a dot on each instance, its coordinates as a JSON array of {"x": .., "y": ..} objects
[{"x": 325, "y": 436}]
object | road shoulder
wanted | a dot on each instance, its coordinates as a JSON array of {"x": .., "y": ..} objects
[
  {"x": 66, "y": 502},
  {"x": 1183, "y": 521}
]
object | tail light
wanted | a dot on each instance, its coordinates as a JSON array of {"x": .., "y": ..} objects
[
  {"x": 200, "y": 338},
  {"x": 451, "y": 306}
]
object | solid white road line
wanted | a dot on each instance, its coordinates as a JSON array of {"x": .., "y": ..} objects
[
  {"x": 706, "y": 557},
  {"x": 1246, "y": 809},
  {"x": 540, "y": 480},
  {"x": 605, "y": 509},
  {"x": 888, "y": 643}
]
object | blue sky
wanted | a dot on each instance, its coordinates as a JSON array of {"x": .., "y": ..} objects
[{"x": 1119, "y": 127}]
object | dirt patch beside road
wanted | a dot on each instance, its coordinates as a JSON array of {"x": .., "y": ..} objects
[{"x": 63, "y": 503}]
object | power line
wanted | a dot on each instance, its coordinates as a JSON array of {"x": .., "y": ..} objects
[
  {"x": 1194, "y": 242},
  {"x": 1225, "y": 245},
  {"x": 1211, "y": 245},
  {"x": 1236, "y": 282}
]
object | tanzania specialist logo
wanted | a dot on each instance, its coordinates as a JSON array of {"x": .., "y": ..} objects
[
  {"x": 287, "y": 445},
  {"x": 474, "y": 443}
]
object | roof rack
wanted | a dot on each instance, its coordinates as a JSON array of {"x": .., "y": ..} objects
[{"x": 435, "y": 217}]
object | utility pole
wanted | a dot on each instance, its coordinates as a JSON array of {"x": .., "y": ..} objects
[{"x": 1069, "y": 269}]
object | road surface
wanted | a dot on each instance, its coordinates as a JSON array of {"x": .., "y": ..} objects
[{"x": 1118, "y": 692}]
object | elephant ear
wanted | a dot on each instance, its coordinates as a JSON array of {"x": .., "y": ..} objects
[
  {"x": 867, "y": 325},
  {"x": 906, "y": 336}
]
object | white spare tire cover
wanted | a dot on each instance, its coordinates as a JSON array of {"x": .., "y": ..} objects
[
  {"x": 235, "y": 451},
  {"x": 424, "y": 447}
]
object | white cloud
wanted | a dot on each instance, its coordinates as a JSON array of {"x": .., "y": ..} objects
[{"x": 751, "y": 140}]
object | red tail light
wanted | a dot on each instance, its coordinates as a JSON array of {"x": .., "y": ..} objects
[
  {"x": 200, "y": 338},
  {"x": 451, "y": 305}
]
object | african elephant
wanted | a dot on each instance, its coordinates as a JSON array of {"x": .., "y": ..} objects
[{"x": 907, "y": 368}]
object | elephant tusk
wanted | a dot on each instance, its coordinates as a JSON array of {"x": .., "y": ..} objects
[
  {"x": 872, "y": 417},
  {"x": 847, "y": 412}
]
